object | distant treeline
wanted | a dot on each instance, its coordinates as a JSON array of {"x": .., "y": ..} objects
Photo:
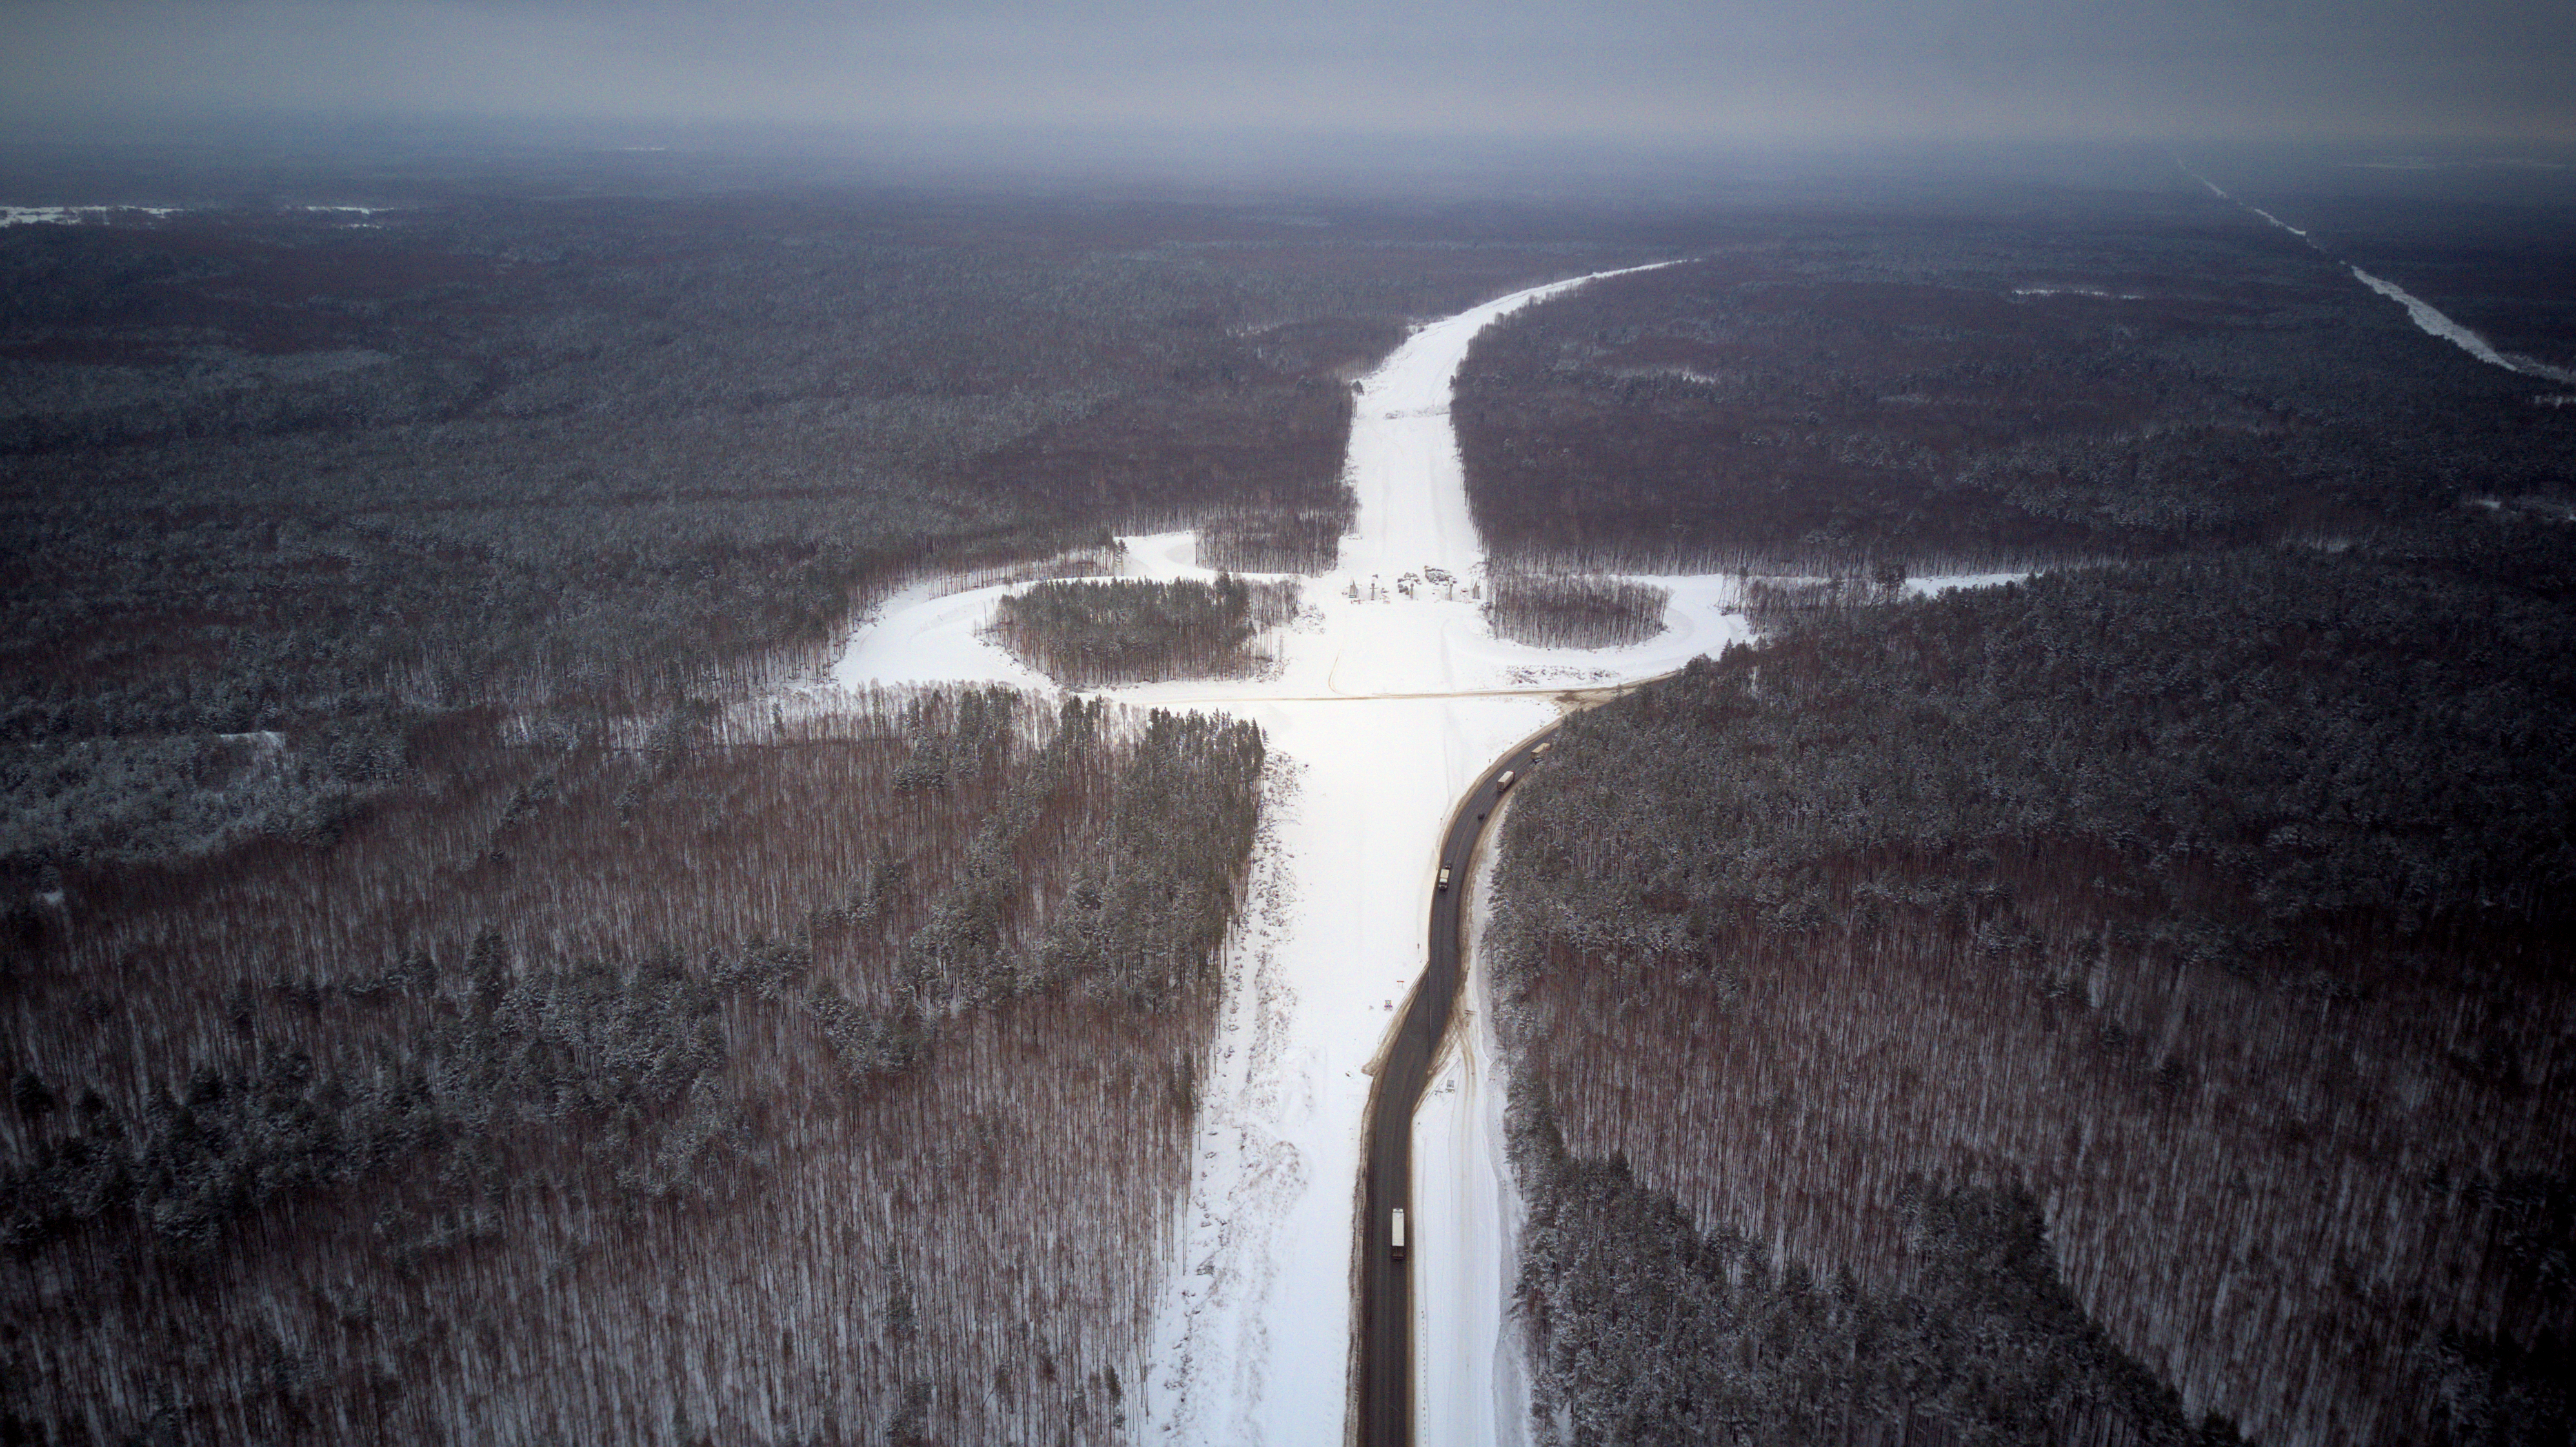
[
  {"x": 691, "y": 1084},
  {"x": 1086, "y": 634},
  {"x": 2217, "y": 909},
  {"x": 1570, "y": 610},
  {"x": 2130, "y": 376}
]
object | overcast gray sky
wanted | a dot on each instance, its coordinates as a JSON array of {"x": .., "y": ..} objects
[{"x": 1760, "y": 70}]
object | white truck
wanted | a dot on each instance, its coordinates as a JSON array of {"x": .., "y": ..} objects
[
  {"x": 1444, "y": 876},
  {"x": 1398, "y": 1233}
]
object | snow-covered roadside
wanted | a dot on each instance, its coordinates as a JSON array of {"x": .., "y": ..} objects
[
  {"x": 1254, "y": 1346},
  {"x": 1474, "y": 1391}
]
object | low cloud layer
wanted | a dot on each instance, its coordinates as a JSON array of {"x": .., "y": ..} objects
[{"x": 1733, "y": 70}]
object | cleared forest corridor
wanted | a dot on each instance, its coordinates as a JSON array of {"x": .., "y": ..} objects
[{"x": 1386, "y": 706}]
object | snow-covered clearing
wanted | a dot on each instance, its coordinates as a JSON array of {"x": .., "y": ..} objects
[
  {"x": 69, "y": 215},
  {"x": 2277, "y": 221},
  {"x": 1932, "y": 587},
  {"x": 2094, "y": 292},
  {"x": 1382, "y": 710}
]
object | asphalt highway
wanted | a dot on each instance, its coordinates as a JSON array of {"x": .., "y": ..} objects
[{"x": 1384, "y": 1319}]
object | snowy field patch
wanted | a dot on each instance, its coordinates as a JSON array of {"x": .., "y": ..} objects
[{"x": 74, "y": 215}]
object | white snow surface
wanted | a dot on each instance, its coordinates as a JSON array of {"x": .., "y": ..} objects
[
  {"x": 2277, "y": 221},
  {"x": 921, "y": 635},
  {"x": 1379, "y": 713},
  {"x": 1474, "y": 1388},
  {"x": 2091, "y": 291},
  {"x": 1930, "y": 587},
  {"x": 2431, "y": 321}
]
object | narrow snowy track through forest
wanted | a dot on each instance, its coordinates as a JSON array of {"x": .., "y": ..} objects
[
  {"x": 1387, "y": 703},
  {"x": 2428, "y": 319}
]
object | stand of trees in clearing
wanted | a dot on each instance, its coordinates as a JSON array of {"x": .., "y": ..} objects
[
  {"x": 2129, "y": 1007},
  {"x": 793, "y": 1079},
  {"x": 1086, "y": 634},
  {"x": 1997, "y": 384},
  {"x": 1568, "y": 610}
]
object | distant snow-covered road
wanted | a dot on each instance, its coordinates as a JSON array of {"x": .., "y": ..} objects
[{"x": 2428, "y": 319}]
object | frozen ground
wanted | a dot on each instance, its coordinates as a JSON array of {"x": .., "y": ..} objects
[{"x": 1383, "y": 709}]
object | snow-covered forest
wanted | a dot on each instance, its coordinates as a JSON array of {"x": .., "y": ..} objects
[
  {"x": 778, "y": 1079},
  {"x": 1568, "y": 610},
  {"x": 264, "y": 472},
  {"x": 685, "y": 812},
  {"x": 464, "y": 979},
  {"x": 2125, "y": 1006},
  {"x": 1964, "y": 393}
]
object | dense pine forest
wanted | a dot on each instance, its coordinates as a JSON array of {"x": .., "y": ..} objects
[
  {"x": 462, "y": 980},
  {"x": 267, "y": 469},
  {"x": 2128, "y": 1006},
  {"x": 2184, "y": 941},
  {"x": 692, "y": 1081}
]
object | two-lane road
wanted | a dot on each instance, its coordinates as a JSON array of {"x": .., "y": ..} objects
[{"x": 1384, "y": 1318}]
